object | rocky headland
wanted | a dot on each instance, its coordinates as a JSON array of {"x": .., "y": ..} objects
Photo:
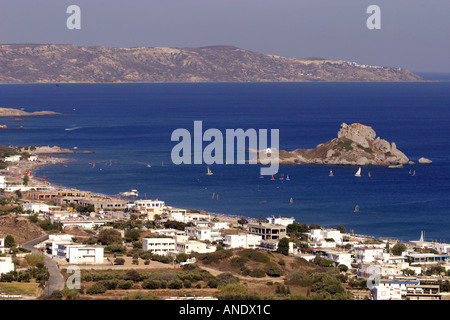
[
  {"x": 50, "y": 63},
  {"x": 356, "y": 144},
  {"x": 11, "y": 112}
]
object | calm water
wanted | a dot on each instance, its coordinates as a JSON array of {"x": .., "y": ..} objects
[{"x": 130, "y": 125}]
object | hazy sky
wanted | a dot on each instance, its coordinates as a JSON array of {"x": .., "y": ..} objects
[{"x": 415, "y": 34}]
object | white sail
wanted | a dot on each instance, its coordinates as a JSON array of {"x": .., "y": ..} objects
[
  {"x": 358, "y": 173},
  {"x": 209, "y": 172}
]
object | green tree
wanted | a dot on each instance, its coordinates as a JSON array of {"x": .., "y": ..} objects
[
  {"x": 242, "y": 221},
  {"x": 9, "y": 241},
  {"x": 283, "y": 246},
  {"x": 398, "y": 249},
  {"x": 182, "y": 257},
  {"x": 132, "y": 235},
  {"x": 341, "y": 229},
  {"x": 25, "y": 180},
  {"x": 109, "y": 236}
]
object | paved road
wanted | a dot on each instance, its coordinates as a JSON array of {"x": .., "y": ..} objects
[{"x": 56, "y": 280}]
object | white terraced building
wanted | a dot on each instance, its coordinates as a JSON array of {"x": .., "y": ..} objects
[
  {"x": 247, "y": 241},
  {"x": 81, "y": 254},
  {"x": 160, "y": 246},
  {"x": 6, "y": 265}
]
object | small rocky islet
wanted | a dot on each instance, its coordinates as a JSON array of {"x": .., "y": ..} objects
[{"x": 356, "y": 144}]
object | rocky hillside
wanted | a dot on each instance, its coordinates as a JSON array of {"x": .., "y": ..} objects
[
  {"x": 356, "y": 144},
  {"x": 69, "y": 63},
  {"x": 20, "y": 228}
]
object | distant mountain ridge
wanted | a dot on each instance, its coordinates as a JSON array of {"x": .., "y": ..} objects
[{"x": 50, "y": 63}]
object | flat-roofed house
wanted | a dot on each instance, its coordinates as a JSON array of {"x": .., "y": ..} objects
[
  {"x": 160, "y": 246},
  {"x": 267, "y": 231}
]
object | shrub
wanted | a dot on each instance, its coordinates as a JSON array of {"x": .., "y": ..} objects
[
  {"x": 151, "y": 284},
  {"x": 125, "y": 284},
  {"x": 133, "y": 275},
  {"x": 343, "y": 268},
  {"x": 187, "y": 284},
  {"x": 96, "y": 289},
  {"x": 255, "y": 255},
  {"x": 272, "y": 270},
  {"x": 115, "y": 248},
  {"x": 213, "y": 257},
  {"x": 119, "y": 261},
  {"x": 213, "y": 283},
  {"x": 238, "y": 262},
  {"x": 109, "y": 236},
  {"x": 175, "y": 284},
  {"x": 227, "y": 278},
  {"x": 257, "y": 273},
  {"x": 109, "y": 284}
]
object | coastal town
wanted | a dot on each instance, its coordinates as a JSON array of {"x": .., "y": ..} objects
[{"x": 129, "y": 248}]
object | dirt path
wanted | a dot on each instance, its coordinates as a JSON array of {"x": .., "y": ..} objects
[{"x": 216, "y": 272}]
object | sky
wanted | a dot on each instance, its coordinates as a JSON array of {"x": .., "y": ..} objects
[{"x": 414, "y": 34}]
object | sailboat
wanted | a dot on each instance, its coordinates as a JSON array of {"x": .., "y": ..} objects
[
  {"x": 261, "y": 177},
  {"x": 369, "y": 174},
  {"x": 331, "y": 173},
  {"x": 291, "y": 201},
  {"x": 414, "y": 173},
  {"x": 287, "y": 178},
  {"x": 282, "y": 177},
  {"x": 356, "y": 209},
  {"x": 409, "y": 171},
  {"x": 209, "y": 173},
  {"x": 272, "y": 178},
  {"x": 213, "y": 196},
  {"x": 217, "y": 197},
  {"x": 358, "y": 173}
]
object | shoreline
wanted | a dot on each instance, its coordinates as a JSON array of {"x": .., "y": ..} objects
[{"x": 52, "y": 160}]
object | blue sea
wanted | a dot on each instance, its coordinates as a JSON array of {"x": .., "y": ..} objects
[{"x": 129, "y": 126}]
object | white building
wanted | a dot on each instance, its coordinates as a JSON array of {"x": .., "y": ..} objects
[
  {"x": 202, "y": 234},
  {"x": 168, "y": 232},
  {"x": 319, "y": 235},
  {"x": 84, "y": 223},
  {"x": 181, "y": 215},
  {"x": 2, "y": 182},
  {"x": 36, "y": 207},
  {"x": 442, "y": 248},
  {"x": 391, "y": 289},
  {"x": 219, "y": 225},
  {"x": 339, "y": 257},
  {"x": 194, "y": 246},
  {"x": 281, "y": 221},
  {"x": 56, "y": 239},
  {"x": 62, "y": 215},
  {"x": 6, "y": 265},
  {"x": 385, "y": 293},
  {"x": 367, "y": 255},
  {"x": 151, "y": 207},
  {"x": 322, "y": 244},
  {"x": 3, "y": 248},
  {"x": 32, "y": 158},
  {"x": 14, "y": 158},
  {"x": 160, "y": 246},
  {"x": 247, "y": 241},
  {"x": 81, "y": 254}
]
